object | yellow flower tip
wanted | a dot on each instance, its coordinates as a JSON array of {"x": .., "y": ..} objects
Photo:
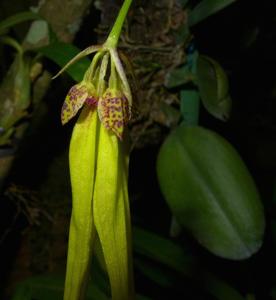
[
  {"x": 83, "y": 92},
  {"x": 114, "y": 111}
]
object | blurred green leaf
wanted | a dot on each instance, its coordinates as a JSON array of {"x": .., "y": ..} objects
[
  {"x": 172, "y": 255},
  {"x": 61, "y": 53},
  {"x": 211, "y": 192},
  {"x": 178, "y": 77},
  {"x": 162, "y": 250},
  {"x": 16, "y": 19},
  {"x": 22, "y": 292},
  {"x": 184, "y": 74},
  {"x": 47, "y": 287},
  {"x": 50, "y": 287},
  {"x": 219, "y": 288},
  {"x": 40, "y": 287},
  {"x": 213, "y": 87},
  {"x": 205, "y": 9},
  {"x": 154, "y": 273}
]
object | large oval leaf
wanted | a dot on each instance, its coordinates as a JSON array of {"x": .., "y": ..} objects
[
  {"x": 213, "y": 87},
  {"x": 211, "y": 192}
]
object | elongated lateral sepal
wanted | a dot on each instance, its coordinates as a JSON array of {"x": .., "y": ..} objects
[
  {"x": 82, "y": 158},
  {"x": 111, "y": 214}
]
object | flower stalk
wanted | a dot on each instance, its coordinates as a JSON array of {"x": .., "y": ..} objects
[
  {"x": 114, "y": 35},
  {"x": 98, "y": 161}
]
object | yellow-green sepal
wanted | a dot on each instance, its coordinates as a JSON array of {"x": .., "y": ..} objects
[
  {"x": 111, "y": 214},
  {"x": 82, "y": 158}
]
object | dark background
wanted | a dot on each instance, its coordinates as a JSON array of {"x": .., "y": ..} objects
[{"x": 242, "y": 38}]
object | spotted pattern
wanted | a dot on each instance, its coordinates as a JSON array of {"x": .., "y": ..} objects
[
  {"x": 114, "y": 111},
  {"x": 76, "y": 97}
]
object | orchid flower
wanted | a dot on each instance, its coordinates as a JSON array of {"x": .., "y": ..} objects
[{"x": 98, "y": 161}]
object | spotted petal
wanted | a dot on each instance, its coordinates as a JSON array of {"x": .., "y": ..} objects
[
  {"x": 78, "y": 94},
  {"x": 114, "y": 113}
]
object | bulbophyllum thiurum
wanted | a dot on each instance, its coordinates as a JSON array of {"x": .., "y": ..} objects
[
  {"x": 112, "y": 98},
  {"x": 98, "y": 161}
]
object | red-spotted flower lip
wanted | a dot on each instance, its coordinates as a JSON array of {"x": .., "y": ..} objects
[{"x": 92, "y": 101}]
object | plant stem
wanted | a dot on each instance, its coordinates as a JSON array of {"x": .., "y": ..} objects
[
  {"x": 189, "y": 106},
  {"x": 114, "y": 35}
]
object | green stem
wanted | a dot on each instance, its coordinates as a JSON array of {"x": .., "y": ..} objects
[
  {"x": 189, "y": 106},
  {"x": 114, "y": 35}
]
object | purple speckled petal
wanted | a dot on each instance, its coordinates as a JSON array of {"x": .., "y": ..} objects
[
  {"x": 75, "y": 99},
  {"x": 113, "y": 109}
]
